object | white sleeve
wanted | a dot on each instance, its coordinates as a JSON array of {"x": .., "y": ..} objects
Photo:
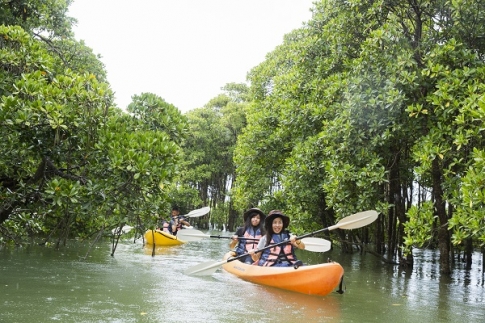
[{"x": 262, "y": 242}]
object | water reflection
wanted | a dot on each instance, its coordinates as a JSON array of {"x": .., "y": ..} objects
[
  {"x": 160, "y": 250},
  {"x": 308, "y": 308}
]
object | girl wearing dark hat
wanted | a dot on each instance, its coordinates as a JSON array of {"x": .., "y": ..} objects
[
  {"x": 247, "y": 237},
  {"x": 283, "y": 255}
]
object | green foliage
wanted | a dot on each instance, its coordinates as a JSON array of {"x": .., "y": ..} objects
[
  {"x": 208, "y": 165},
  {"x": 421, "y": 226},
  {"x": 469, "y": 218},
  {"x": 453, "y": 117},
  {"x": 69, "y": 156},
  {"x": 291, "y": 135},
  {"x": 355, "y": 109},
  {"x": 38, "y": 16},
  {"x": 154, "y": 114}
]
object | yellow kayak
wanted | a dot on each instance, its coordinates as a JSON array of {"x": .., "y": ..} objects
[
  {"x": 319, "y": 279},
  {"x": 162, "y": 238}
]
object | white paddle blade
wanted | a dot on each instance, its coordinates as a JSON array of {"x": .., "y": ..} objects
[
  {"x": 355, "y": 221},
  {"x": 198, "y": 212},
  {"x": 316, "y": 244},
  {"x": 191, "y": 235},
  {"x": 204, "y": 269},
  {"x": 124, "y": 229}
]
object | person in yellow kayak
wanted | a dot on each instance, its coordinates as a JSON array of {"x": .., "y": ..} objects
[
  {"x": 283, "y": 255},
  {"x": 164, "y": 225},
  {"x": 247, "y": 237},
  {"x": 176, "y": 221}
]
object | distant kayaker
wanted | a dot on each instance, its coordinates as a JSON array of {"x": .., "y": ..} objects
[
  {"x": 176, "y": 221},
  {"x": 279, "y": 256},
  {"x": 164, "y": 225},
  {"x": 253, "y": 229}
]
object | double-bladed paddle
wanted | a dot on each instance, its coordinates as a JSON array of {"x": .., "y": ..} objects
[
  {"x": 311, "y": 244},
  {"x": 198, "y": 212},
  {"x": 353, "y": 221}
]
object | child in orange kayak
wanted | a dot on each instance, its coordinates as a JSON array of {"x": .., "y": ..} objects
[
  {"x": 247, "y": 237},
  {"x": 283, "y": 255}
]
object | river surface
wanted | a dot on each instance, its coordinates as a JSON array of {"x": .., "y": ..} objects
[{"x": 39, "y": 284}]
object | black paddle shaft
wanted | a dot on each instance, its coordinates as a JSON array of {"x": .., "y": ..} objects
[{"x": 240, "y": 238}]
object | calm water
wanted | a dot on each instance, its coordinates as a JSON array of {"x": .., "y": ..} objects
[{"x": 43, "y": 285}]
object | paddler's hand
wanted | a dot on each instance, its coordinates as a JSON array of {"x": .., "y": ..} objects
[
  {"x": 296, "y": 243},
  {"x": 254, "y": 256},
  {"x": 233, "y": 242}
]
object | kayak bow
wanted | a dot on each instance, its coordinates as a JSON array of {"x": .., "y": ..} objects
[{"x": 162, "y": 238}]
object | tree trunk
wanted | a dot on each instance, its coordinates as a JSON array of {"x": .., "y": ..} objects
[
  {"x": 483, "y": 261},
  {"x": 440, "y": 207},
  {"x": 326, "y": 216},
  {"x": 407, "y": 193},
  {"x": 231, "y": 223},
  {"x": 397, "y": 211},
  {"x": 380, "y": 246},
  {"x": 468, "y": 253}
]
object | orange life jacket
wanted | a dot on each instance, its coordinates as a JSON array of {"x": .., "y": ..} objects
[
  {"x": 245, "y": 245},
  {"x": 281, "y": 253}
]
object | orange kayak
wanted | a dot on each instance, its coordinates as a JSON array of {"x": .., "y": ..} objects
[
  {"x": 319, "y": 279},
  {"x": 162, "y": 238}
]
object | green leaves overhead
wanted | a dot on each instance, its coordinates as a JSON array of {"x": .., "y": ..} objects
[
  {"x": 38, "y": 16},
  {"x": 372, "y": 105},
  {"x": 154, "y": 114}
]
